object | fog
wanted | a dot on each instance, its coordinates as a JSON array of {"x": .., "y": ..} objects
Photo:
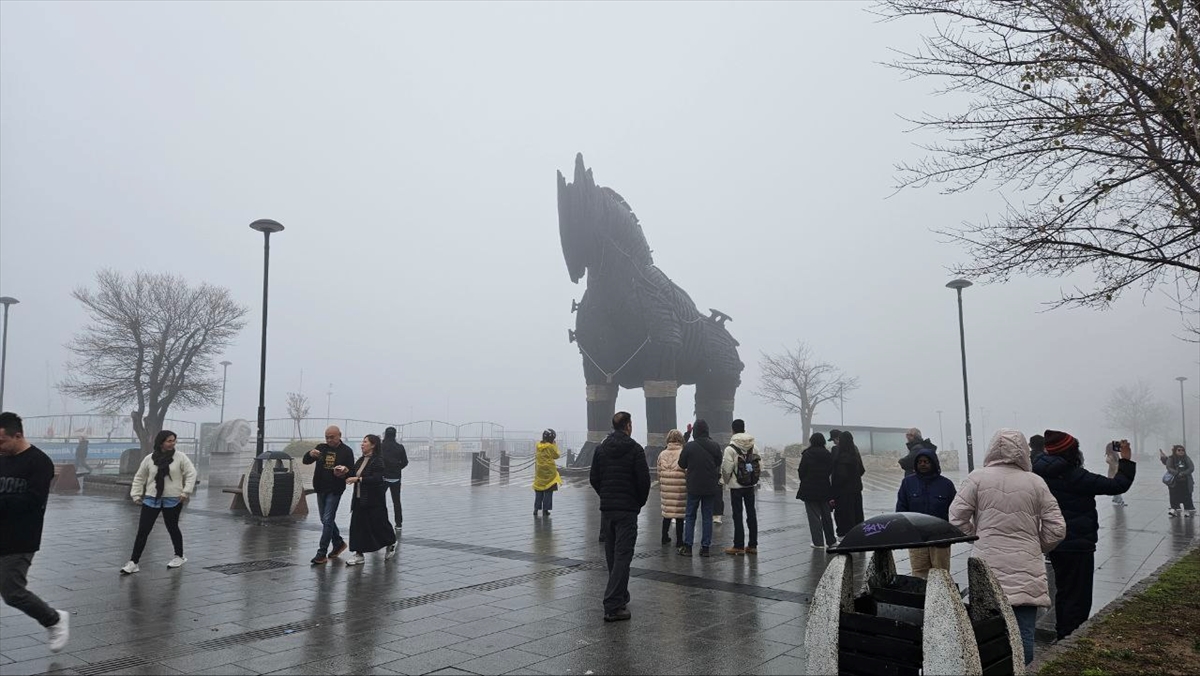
[{"x": 410, "y": 150}]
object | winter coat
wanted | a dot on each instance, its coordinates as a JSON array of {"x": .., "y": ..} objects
[
  {"x": 672, "y": 482},
  {"x": 701, "y": 457},
  {"x": 816, "y": 466},
  {"x": 1181, "y": 467},
  {"x": 926, "y": 493},
  {"x": 1015, "y": 516},
  {"x": 545, "y": 475},
  {"x": 395, "y": 458},
  {"x": 847, "y": 470},
  {"x": 620, "y": 475},
  {"x": 370, "y": 490},
  {"x": 181, "y": 480},
  {"x": 1076, "y": 489},
  {"x": 740, "y": 445},
  {"x": 909, "y": 462},
  {"x": 324, "y": 480}
]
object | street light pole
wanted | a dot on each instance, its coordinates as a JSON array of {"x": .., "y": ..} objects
[
  {"x": 958, "y": 285},
  {"x": 941, "y": 434},
  {"x": 328, "y": 403},
  {"x": 224, "y": 377},
  {"x": 266, "y": 226},
  {"x": 1182, "y": 411},
  {"x": 6, "y": 301},
  {"x": 842, "y": 404}
]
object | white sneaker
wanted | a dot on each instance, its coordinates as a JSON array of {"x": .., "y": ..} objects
[
  {"x": 1189, "y": 514},
  {"x": 717, "y": 519},
  {"x": 818, "y": 546},
  {"x": 177, "y": 562},
  {"x": 60, "y": 633},
  {"x": 129, "y": 568},
  {"x": 1171, "y": 512},
  {"x": 356, "y": 560},
  {"x": 391, "y": 553}
]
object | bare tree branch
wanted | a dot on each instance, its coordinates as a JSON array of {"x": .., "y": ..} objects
[
  {"x": 1134, "y": 410},
  {"x": 297, "y": 409},
  {"x": 797, "y": 382}
]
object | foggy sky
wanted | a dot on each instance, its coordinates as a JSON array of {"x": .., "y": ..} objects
[{"x": 410, "y": 150}]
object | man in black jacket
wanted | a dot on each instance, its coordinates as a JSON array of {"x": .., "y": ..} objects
[
  {"x": 621, "y": 477},
  {"x": 701, "y": 459},
  {"x": 395, "y": 459},
  {"x": 334, "y": 460},
  {"x": 915, "y": 443}
]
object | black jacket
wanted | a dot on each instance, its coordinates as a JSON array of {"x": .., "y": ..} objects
[
  {"x": 816, "y": 465},
  {"x": 24, "y": 488},
  {"x": 909, "y": 462},
  {"x": 620, "y": 475},
  {"x": 701, "y": 459},
  {"x": 371, "y": 489},
  {"x": 1076, "y": 489},
  {"x": 395, "y": 458},
  {"x": 323, "y": 479},
  {"x": 847, "y": 470}
]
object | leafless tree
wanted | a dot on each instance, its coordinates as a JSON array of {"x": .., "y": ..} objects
[
  {"x": 1091, "y": 109},
  {"x": 150, "y": 344},
  {"x": 1133, "y": 409},
  {"x": 797, "y": 382},
  {"x": 297, "y": 408}
]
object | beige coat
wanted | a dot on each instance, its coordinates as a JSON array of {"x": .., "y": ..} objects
[
  {"x": 672, "y": 483},
  {"x": 181, "y": 480},
  {"x": 1016, "y": 518}
]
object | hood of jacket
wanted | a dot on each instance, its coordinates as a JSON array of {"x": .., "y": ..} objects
[
  {"x": 1008, "y": 447},
  {"x": 742, "y": 441},
  {"x": 932, "y": 455},
  {"x": 921, "y": 443},
  {"x": 1052, "y": 466},
  {"x": 618, "y": 444}
]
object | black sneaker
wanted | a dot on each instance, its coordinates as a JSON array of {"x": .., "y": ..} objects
[
  {"x": 338, "y": 550},
  {"x": 685, "y": 550},
  {"x": 704, "y": 551},
  {"x": 618, "y": 615},
  {"x": 666, "y": 540},
  {"x": 319, "y": 559}
]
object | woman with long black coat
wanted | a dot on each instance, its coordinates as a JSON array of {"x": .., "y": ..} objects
[
  {"x": 816, "y": 466},
  {"x": 370, "y": 529},
  {"x": 847, "y": 482}
]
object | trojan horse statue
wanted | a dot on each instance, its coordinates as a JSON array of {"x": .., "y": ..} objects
[{"x": 634, "y": 327}]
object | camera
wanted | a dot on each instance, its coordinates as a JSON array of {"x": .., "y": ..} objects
[{"x": 1116, "y": 446}]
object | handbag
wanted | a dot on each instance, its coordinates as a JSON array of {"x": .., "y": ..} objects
[{"x": 1169, "y": 478}]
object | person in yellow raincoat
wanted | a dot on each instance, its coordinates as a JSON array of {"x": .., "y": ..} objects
[{"x": 545, "y": 477}]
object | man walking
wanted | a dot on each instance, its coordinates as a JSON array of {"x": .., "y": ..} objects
[
  {"x": 395, "y": 459},
  {"x": 740, "y": 469},
  {"x": 621, "y": 477},
  {"x": 25, "y": 475},
  {"x": 334, "y": 460},
  {"x": 701, "y": 459}
]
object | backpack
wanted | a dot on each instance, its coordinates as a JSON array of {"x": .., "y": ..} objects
[{"x": 749, "y": 467}]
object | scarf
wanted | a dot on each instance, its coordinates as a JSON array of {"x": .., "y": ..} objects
[
  {"x": 361, "y": 468},
  {"x": 162, "y": 460}
]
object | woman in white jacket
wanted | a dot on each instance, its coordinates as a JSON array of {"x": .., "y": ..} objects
[
  {"x": 1017, "y": 520},
  {"x": 163, "y": 482}
]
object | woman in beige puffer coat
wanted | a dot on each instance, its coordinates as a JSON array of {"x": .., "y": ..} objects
[
  {"x": 1017, "y": 520},
  {"x": 672, "y": 486}
]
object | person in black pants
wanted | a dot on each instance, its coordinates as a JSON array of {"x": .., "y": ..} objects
[
  {"x": 620, "y": 476},
  {"x": 816, "y": 465},
  {"x": 847, "y": 484},
  {"x": 395, "y": 459},
  {"x": 1074, "y": 559}
]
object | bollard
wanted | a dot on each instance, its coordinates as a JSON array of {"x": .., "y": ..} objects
[
  {"x": 779, "y": 474},
  {"x": 570, "y": 458},
  {"x": 504, "y": 465},
  {"x": 476, "y": 467}
]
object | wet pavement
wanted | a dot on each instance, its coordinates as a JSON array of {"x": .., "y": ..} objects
[{"x": 480, "y": 586}]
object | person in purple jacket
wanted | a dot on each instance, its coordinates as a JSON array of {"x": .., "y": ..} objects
[{"x": 926, "y": 491}]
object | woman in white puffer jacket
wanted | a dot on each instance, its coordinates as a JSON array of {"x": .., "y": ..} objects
[{"x": 1017, "y": 520}]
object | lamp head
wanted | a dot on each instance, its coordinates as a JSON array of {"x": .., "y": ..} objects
[
  {"x": 226, "y": 363},
  {"x": 958, "y": 284},
  {"x": 266, "y": 225},
  {"x": 8, "y": 300},
  {"x": 1179, "y": 378}
]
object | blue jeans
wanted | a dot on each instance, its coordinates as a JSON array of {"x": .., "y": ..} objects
[
  {"x": 543, "y": 499},
  {"x": 1027, "y": 623},
  {"x": 705, "y": 503},
  {"x": 327, "y": 507}
]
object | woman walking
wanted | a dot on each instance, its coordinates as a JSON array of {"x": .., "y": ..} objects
[
  {"x": 672, "y": 487},
  {"x": 162, "y": 483},
  {"x": 1180, "y": 469},
  {"x": 847, "y": 483},
  {"x": 546, "y": 479},
  {"x": 816, "y": 466},
  {"x": 370, "y": 529}
]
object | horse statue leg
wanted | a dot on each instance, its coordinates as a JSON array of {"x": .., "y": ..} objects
[
  {"x": 601, "y": 405},
  {"x": 714, "y": 404},
  {"x": 660, "y": 390}
]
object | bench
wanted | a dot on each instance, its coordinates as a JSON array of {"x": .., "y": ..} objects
[{"x": 239, "y": 498}]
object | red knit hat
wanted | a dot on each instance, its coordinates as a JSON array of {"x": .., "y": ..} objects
[{"x": 1059, "y": 442}]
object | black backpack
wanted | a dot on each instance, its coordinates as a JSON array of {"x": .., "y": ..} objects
[{"x": 749, "y": 467}]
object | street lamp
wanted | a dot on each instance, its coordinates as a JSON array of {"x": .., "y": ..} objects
[
  {"x": 6, "y": 301},
  {"x": 266, "y": 226},
  {"x": 941, "y": 434},
  {"x": 958, "y": 285},
  {"x": 1182, "y": 411},
  {"x": 328, "y": 403},
  {"x": 224, "y": 377}
]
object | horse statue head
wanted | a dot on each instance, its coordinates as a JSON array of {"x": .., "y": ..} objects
[{"x": 595, "y": 222}]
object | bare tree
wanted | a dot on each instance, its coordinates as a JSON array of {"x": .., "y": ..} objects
[
  {"x": 1134, "y": 410},
  {"x": 297, "y": 408},
  {"x": 797, "y": 382},
  {"x": 1093, "y": 109},
  {"x": 150, "y": 344}
]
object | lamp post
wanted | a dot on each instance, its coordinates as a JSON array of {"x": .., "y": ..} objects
[
  {"x": 224, "y": 377},
  {"x": 328, "y": 403},
  {"x": 941, "y": 434},
  {"x": 842, "y": 403},
  {"x": 958, "y": 285},
  {"x": 266, "y": 226},
  {"x": 1182, "y": 411},
  {"x": 6, "y": 301}
]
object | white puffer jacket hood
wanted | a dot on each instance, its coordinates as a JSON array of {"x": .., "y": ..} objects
[{"x": 1016, "y": 518}]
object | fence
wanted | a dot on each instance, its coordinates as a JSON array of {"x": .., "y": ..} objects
[{"x": 108, "y": 436}]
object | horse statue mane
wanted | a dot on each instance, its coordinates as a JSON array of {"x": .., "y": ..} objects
[{"x": 634, "y": 327}]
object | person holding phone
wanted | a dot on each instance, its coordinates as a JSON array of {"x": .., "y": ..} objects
[{"x": 333, "y": 460}]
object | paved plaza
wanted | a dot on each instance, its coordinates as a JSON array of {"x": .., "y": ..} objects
[{"x": 480, "y": 586}]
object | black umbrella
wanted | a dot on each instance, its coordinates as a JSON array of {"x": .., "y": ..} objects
[{"x": 900, "y": 530}]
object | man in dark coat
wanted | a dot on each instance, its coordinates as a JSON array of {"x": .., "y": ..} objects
[
  {"x": 915, "y": 443},
  {"x": 701, "y": 459},
  {"x": 621, "y": 477},
  {"x": 1075, "y": 488},
  {"x": 927, "y": 492},
  {"x": 395, "y": 459}
]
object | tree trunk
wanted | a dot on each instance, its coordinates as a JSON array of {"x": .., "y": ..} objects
[
  {"x": 147, "y": 427},
  {"x": 806, "y": 425}
]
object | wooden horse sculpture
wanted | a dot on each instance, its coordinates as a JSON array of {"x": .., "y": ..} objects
[{"x": 634, "y": 327}]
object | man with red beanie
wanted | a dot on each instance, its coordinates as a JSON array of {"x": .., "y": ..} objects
[{"x": 1074, "y": 559}]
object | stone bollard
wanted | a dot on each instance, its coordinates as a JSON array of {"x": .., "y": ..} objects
[
  {"x": 779, "y": 474},
  {"x": 504, "y": 463}
]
